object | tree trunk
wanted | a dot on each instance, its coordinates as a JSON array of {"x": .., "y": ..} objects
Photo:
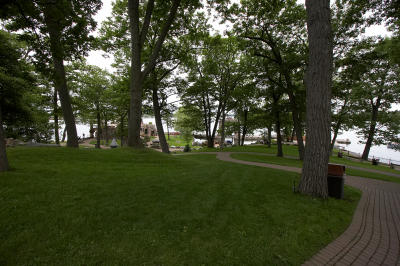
[
  {"x": 91, "y": 130},
  {"x": 318, "y": 98},
  {"x": 210, "y": 142},
  {"x": 335, "y": 134},
  {"x": 60, "y": 82},
  {"x": 293, "y": 134},
  {"x": 296, "y": 114},
  {"x": 297, "y": 125},
  {"x": 3, "y": 153},
  {"x": 64, "y": 134},
  {"x": 136, "y": 79},
  {"x": 244, "y": 126},
  {"x": 106, "y": 128},
  {"x": 278, "y": 134},
  {"x": 371, "y": 132},
  {"x": 239, "y": 131},
  {"x": 214, "y": 131},
  {"x": 98, "y": 135},
  {"x": 136, "y": 116},
  {"x": 157, "y": 116},
  {"x": 222, "y": 144},
  {"x": 277, "y": 124},
  {"x": 269, "y": 136},
  {"x": 122, "y": 130},
  {"x": 138, "y": 37},
  {"x": 55, "y": 114},
  {"x": 167, "y": 120}
]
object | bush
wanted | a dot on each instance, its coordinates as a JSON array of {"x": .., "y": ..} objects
[{"x": 187, "y": 148}]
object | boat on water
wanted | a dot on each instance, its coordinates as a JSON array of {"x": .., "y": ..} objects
[
  {"x": 343, "y": 141},
  {"x": 394, "y": 146}
]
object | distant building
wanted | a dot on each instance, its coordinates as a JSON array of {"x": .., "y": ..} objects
[
  {"x": 149, "y": 130},
  {"x": 111, "y": 131}
]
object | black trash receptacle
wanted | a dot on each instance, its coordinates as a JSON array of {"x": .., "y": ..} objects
[{"x": 336, "y": 175}]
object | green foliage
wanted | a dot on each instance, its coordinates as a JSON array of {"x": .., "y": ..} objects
[
  {"x": 93, "y": 89},
  {"x": 187, "y": 148},
  {"x": 74, "y": 23},
  {"x": 15, "y": 79},
  {"x": 24, "y": 101},
  {"x": 178, "y": 141},
  {"x": 376, "y": 89},
  {"x": 216, "y": 71},
  {"x": 186, "y": 122}
]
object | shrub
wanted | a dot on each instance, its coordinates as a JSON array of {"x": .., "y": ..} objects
[{"x": 187, "y": 148}]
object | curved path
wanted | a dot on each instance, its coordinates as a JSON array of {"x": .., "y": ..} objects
[{"x": 373, "y": 237}]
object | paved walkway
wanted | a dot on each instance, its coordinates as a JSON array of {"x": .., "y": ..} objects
[{"x": 373, "y": 237}]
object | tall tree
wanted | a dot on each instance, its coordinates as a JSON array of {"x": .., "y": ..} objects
[
  {"x": 214, "y": 73},
  {"x": 275, "y": 31},
  {"x": 120, "y": 103},
  {"x": 58, "y": 30},
  {"x": 318, "y": 90},
  {"x": 151, "y": 25},
  {"x": 138, "y": 37},
  {"x": 187, "y": 120},
  {"x": 376, "y": 89},
  {"x": 92, "y": 85},
  {"x": 348, "y": 23}
]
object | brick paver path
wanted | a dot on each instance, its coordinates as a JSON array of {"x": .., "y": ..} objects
[{"x": 373, "y": 237}]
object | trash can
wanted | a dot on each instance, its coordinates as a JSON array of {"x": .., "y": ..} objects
[{"x": 336, "y": 176}]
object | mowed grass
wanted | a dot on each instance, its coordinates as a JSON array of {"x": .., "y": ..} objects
[
  {"x": 287, "y": 149},
  {"x": 124, "y": 207},
  {"x": 363, "y": 164},
  {"x": 297, "y": 163},
  {"x": 292, "y": 151},
  {"x": 177, "y": 140}
]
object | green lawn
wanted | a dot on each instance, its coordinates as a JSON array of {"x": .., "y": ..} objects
[
  {"x": 290, "y": 150},
  {"x": 363, "y": 164},
  {"x": 172, "y": 141},
  {"x": 298, "y": 163},
  {"x": 287, "y": 149},
  {"x": 119, "y": 206},
  {"x": 103, "y": 142},
  {"x": 177, "y": 141}
]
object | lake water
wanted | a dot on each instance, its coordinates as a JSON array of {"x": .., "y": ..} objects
[{"x": 380, "y": 151}]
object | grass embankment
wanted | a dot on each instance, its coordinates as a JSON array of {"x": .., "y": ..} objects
[
  {"x": 178, "y": 141},
  {"x": 173, "y": 140},
  {"x": 119, "y": 206},
  {"x": 103, "y": 142},
  {"x": 287, "y": 149},
  {"x": 291, "y": 150},
  {"x": 298, "y": 163}
]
